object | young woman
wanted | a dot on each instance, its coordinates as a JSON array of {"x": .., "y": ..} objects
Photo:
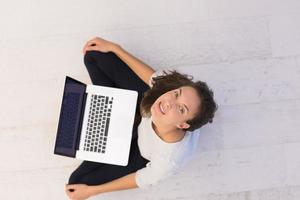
[{"x": 170, "y": 107}]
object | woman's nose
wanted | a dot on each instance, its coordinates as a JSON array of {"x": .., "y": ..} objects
[{"x": 170, "y": 105}]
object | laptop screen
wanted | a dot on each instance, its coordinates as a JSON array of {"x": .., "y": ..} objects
[{"x": 71, "y": 113}]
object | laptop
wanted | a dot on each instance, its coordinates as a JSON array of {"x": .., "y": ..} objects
[{"x": 95, "y": 123}]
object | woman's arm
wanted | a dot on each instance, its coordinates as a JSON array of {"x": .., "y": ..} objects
[
  {"x": 142, "y": 70},
  {"x": 82, "y": 191},
  {"x": 123, "y": 183}
]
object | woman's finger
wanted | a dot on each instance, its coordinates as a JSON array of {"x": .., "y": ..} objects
[
  {"x": 88, "y": 45},
  {"x": 84, "y": 49},
  {"x": 91, "y": 48},
  {"x": 71, "y": 187},
  {"x": 92, "y": 41},
  {"x": 68, "y": 192}
]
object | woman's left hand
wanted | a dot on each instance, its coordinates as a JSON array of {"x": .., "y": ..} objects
[
  {"x": 79, "y": 191},
  {"x": 99, "y": 44}
]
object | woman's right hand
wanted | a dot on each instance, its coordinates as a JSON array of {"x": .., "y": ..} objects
[{"x": 99, "y": 44}]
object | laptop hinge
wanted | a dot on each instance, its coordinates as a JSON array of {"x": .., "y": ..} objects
[{"x": 81, "y": 120}]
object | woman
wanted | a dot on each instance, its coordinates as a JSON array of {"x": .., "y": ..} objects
[{"x": 170, "y": 107}]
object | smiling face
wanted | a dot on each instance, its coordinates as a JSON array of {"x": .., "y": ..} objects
[{"x": 174, "y": 108}]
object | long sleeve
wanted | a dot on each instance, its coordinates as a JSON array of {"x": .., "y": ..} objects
[{"x": 154, "y": 172}]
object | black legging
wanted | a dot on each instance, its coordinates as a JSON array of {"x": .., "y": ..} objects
[{"x": 107, "y": 69}]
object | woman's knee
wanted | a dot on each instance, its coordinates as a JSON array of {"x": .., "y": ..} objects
[
  {"x": 90, "y": 57},
  {"x": 74, "y": 179},
  {"x": 97, "y": 56},
  {"x": 104, "y": 61}
]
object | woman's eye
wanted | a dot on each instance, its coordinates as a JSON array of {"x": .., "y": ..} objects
[
  {"x": 176, "y": 93},
  {"x": 181, "y": 110}
]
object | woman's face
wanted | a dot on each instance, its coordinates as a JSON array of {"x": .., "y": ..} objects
[{"x": 175, "y": 107}]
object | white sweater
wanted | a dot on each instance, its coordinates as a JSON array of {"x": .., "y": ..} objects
[{"x": 165, "y": 158}]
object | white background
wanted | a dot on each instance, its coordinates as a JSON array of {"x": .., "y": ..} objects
[{"x": 248, "y": 51}]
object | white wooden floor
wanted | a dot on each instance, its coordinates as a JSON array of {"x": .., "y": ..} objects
[{"x": 248, "y": 51}]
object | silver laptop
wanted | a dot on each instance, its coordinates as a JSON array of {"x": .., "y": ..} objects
[{"x": 96, "y": 123}]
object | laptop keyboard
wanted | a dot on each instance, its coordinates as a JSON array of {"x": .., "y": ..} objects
[{"x": 98, "y": 123}]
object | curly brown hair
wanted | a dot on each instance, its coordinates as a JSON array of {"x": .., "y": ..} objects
[{"x": 173, "y": 80}]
